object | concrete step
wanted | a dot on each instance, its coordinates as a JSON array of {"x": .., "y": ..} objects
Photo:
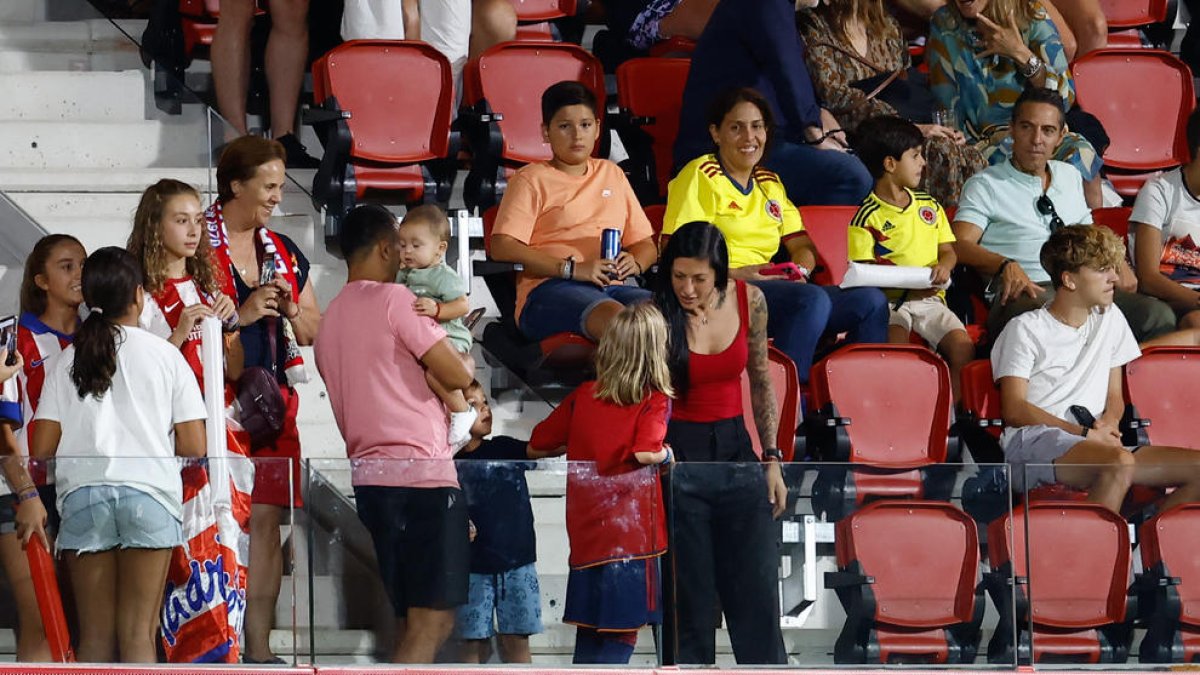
[
  {"x": 20, "y": 60},
  {"x": 74, "y": 96},
  {"x": 17, "y": 180},
  {"x": 72, "y": 36},
  {"x": 94, "y": 145},
  {"x": 13, "y": 12}
]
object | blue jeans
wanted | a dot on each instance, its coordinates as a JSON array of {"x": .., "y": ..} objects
[
  {"x": 814, "y": 176},
  {"x": 799, "y": 314},
  {"x": 562, "y": 306}
]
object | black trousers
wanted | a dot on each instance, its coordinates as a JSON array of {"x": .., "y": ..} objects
[{"x": 723, "y": 544}]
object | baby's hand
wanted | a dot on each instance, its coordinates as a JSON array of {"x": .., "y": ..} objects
[{"x": 425, "y": 307}]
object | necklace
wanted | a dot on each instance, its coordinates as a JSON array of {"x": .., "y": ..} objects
[{"x": 702, "y": 316}]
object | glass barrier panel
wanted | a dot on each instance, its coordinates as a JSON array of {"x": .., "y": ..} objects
[{"x": 181, "y": 529}]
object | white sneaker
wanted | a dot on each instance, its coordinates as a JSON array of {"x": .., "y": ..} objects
[{"x": 460, "y": 428}]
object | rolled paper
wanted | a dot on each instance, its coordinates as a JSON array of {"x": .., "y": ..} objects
[{"x": 888, "y": 276}]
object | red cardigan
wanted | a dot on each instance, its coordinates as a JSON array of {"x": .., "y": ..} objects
[{"x": 614, "y": 504}]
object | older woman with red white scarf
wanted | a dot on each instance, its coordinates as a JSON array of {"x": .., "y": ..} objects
[{"x": 278, "y": 312}]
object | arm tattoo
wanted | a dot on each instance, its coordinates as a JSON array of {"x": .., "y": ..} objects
[{"x": 762, "y": 393}]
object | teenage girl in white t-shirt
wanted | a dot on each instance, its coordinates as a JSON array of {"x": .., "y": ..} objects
[{"x": 118, "y": 407}]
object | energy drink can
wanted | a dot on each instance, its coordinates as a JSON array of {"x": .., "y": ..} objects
[{"x": 610, "y": 243}]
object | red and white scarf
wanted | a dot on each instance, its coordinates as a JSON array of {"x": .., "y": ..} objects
[{"x": 274, "y": 247}]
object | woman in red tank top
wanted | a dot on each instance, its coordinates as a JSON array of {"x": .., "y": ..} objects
[{"x": 722, "y": 498}]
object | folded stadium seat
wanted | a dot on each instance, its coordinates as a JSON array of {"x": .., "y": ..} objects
[
  {"x": 1126, "y": 18},
  {"x": 1147, "y": 132},
  {"x": 907, "y": 580},
  {"x": 885, "y": 410},
  {"x": 1115, "y": 218},
  {"x": 649, "y": 93},
  {"x": 828, "y": 227},
  {"x": 1072, "y": 594},
  {"x": 501, "y": 117},
  {"x": 1169, "y": 589},
  {"x": 387, "y": 109},
  {"x": 677, "y": 46},
  {"x": 979, "y": 422},
  {"x": 1163, "y": 391},
  {"x": 179, "y": 31},
  {"x": 534, "y": 17},
  {"x": 787, "y": 401},
  {"x": 561, "y": 359}
]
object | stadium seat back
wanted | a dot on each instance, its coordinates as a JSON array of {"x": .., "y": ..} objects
[
  {"x": 896, "y": 397},
  {"x": 655, "y": 213},
  {"x": 1115, "y": 218},
  {"x": 1147, "y": 131},
  {"x": 400, "y": 97},
  {"x": 1164, "y": 387},
  {"x": 1133, "y": 13},
  {"x": 980, "y": 396},
  {"x": 652, "y": 89},
  {"x": 1078, "y": 561},
  {"x": 511, "y": 77},
  {"x": 828, "y": 227},
  {"x": 543, "y": 10},
  {"x": 1170, "y": 539},
  {"x": 923, "y": 556},
  {"x": 787, "y": 401}
]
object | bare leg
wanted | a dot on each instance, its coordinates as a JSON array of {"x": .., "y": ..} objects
[
  {"x": 230, "y": 56},
  {"x": 492, "y": 22},
  {"x": 424, "y": 632},
  {"x": 263, "y": 579},
  {"x": 287, "y": 52},
  {"x": 1107, "y": 472},
  {"x": 1159, "y": 466},
  {"x": 958, "y": 350},
  {"x": 1093, "y": 192},
  {"x": 142, "y": 574},
  {"x": 514, "y": 648},
  {"x": 94, "y": 578},
  {"x": 31, "y": 636},
  {"x": 897, "y": 335},
  {"x": 597, "y": 321},
  {"x": 476, "y": 651},
  {"x": 1087, "y": 22},
  {"x": 1186, "y": 337}
]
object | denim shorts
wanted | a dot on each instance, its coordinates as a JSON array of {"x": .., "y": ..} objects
[
  {"x": 103, "y": 517},
  {"x": 514, "y": 597},
  {"x": 562, "y": 306}
]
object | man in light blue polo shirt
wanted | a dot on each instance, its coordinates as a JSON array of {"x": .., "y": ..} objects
[{"x": 1007, "y": 211}]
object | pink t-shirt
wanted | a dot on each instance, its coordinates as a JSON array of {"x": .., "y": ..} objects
[{"x": 369, "y": 353}]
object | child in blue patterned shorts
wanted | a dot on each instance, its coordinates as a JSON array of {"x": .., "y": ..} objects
[{"x": 503, "y": 596}]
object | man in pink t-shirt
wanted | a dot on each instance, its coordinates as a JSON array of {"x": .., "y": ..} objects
[{"x": 373, "y": 350}]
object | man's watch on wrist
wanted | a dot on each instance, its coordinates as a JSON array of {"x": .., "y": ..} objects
[
  {"x": 1032, "y": 66},
  {"x": 772, "y": 453}
]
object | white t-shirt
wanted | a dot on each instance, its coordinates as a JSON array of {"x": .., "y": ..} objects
[
  {"x": 1065, "y": 366},
  {"x": 125, "y": 437},
  {"x": 1166, "y": 204}
]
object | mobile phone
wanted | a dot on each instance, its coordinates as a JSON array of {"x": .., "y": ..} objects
[
  {"x": 784, "y": 269},
  {"x": 1083, "y": 416},
  {"x": 8, "y": 339}
]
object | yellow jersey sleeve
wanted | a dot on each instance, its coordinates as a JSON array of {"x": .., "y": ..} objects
[{"x": 689, "y": 197}]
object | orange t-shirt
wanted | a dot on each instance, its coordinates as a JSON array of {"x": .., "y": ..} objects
[{"x": 563, "y": 215}]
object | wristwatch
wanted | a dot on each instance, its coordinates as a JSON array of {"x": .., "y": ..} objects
[
  {"x": 1032, "y": 66},
  {"x": 772, "y": 453}
]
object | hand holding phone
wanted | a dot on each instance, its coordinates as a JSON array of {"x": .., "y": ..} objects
[{"x": 788, "y": 270}]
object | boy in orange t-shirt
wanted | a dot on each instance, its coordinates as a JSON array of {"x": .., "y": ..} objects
[{"x": 551, "y": 220}]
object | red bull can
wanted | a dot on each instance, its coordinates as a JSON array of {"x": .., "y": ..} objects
[{"x": 610, "y": 243}]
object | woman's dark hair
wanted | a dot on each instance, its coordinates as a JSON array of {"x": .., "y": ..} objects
[
  {"x": 729, "y": 99},
  {"x": 566, "y": 93},
  {"x": 111, "y": 279},
  {"x": 240, "y": 161},
  {"x": 33, "y": 297},
  {"x": 701, "y": 241}
]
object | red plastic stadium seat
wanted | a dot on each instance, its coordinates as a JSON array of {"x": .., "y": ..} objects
[
  {"x": 1163, "y": 387},
  {"x": 1074, "y": 587},
  {"x": 655, "y": 213},
  {"x": 1115, "y": 218},
  {"x": 907, "y": 580},
  {"x": 827, "y": 226},
  {"x": 1171, "y": 584},
  {"x": 787, "y": 399},
  {"x": 1133, "y": 13},
  {"x": 501, "y": 116},
  {"x": 395, "y": 100},
  {"x": 677, "y": 46},
  {"x": 886, "y": 409},
  {"x": 1147, "y": 132},
  {"x": 543, "y": 10},
  {"x": 650, "y": 92}
]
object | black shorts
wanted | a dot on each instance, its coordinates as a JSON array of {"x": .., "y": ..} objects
[{"x": 421, "y": 542}]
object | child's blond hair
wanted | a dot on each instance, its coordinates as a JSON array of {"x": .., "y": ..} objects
[
  {"x": 632, "y": 356},
  {"x": 433, "y": 217}
]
